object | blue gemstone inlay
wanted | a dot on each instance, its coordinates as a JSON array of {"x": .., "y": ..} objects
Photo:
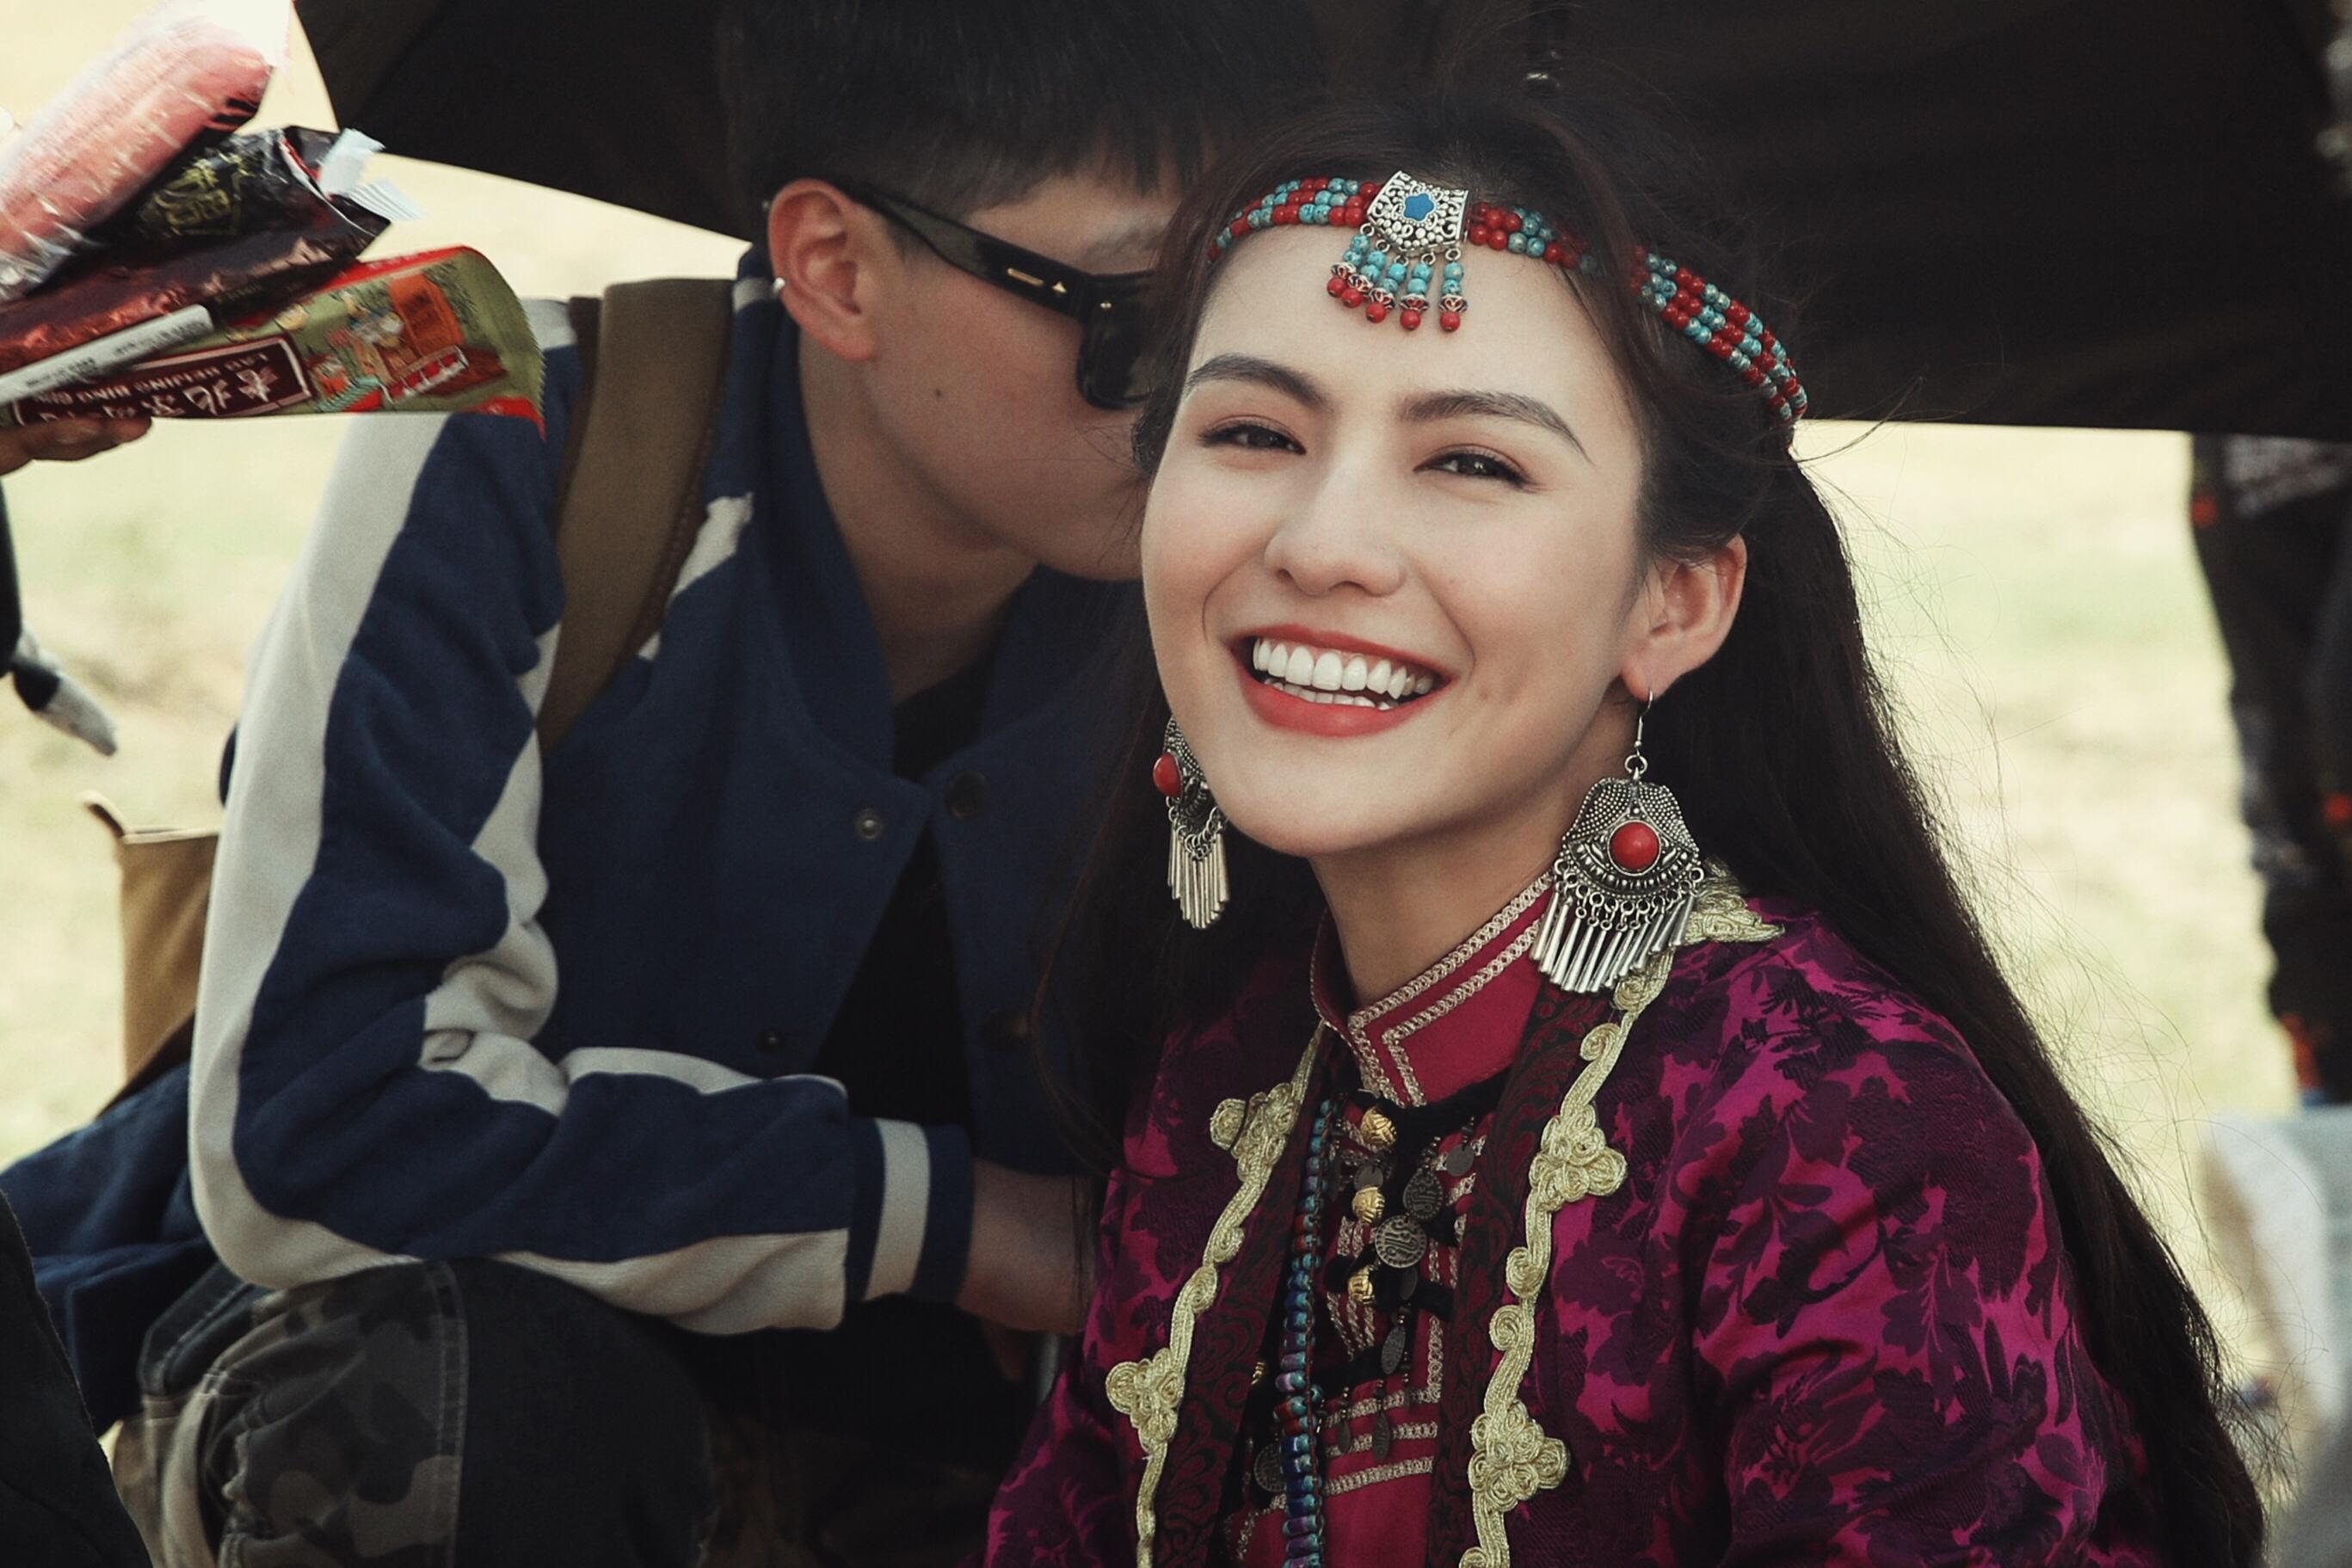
[{"x": 1419, "y": 205}]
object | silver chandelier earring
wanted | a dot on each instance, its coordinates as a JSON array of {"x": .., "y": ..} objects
[
  {"x": 1627, "y": 874},
  {"x": 1196, "y": 833}
]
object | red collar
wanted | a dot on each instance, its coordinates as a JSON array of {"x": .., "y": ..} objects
[{"x": 1456, "y": 1022}]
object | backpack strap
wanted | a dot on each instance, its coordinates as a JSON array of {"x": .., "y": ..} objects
[{"x": 653, "y": 367}]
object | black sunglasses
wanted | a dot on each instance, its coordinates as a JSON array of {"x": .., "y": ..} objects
[{"x": 1108, "y": 306}]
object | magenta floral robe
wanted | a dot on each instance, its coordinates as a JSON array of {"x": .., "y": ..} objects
[{"x": 1798, "y": 1300}]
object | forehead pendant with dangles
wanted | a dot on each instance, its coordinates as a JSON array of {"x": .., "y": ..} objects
[{"x": 1407, "y": 251}]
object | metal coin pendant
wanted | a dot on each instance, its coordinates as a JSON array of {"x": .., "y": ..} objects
[
  {"x": 1400, "y": 1241},
  {"x": 1381, "y": 1436},
  {"x": 1422, "y": 1196},
  {"x": 1393, "y": 1348},
  {"x": 1458, "y": 1160},
  {"x": 1267, "y": 1472}
]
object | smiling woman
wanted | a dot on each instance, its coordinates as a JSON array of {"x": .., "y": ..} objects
[{"x": 1596, "y": 1129}]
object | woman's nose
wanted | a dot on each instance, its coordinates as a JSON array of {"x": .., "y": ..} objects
[{"x": 1342, "y": 536}]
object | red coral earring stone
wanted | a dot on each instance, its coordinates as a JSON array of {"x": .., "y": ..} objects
[{"x": 1633, "y": 846}]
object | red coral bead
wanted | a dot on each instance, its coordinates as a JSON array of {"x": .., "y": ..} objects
[
  {"x": 1634, "y": 846},
  {"x": 1165, "y": 776},
  {"x": 1511, "y": 221},
  {"x": 1450, "y": 319},
  {"x": 1238, "y": 227},
  {"x": 1351, "y": 296},
  {"x": 1412, "y": 318},
  {"x": 1336, "y": 284},
  {"x": 1376, "y": 311}
]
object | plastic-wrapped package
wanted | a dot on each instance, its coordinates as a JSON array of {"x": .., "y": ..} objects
[
  {"x": 116, "y": 290},
  {"x": 186, "y": 73},
  {"x": 438, "y": 332},
  {"x": 255, "y": 181}
]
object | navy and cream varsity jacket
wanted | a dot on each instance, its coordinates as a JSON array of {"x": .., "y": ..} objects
[{"x": 460, "y": 999}]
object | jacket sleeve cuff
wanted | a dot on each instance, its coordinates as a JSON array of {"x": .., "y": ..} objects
[{"x": 911, "y": 1228}]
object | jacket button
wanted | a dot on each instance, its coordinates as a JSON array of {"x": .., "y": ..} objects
[
  {"x": 867, "y": 824},
  {"x": 771, "y": 1042},
  {"x": 966, "y": 795},
  {"x": 1007, "y": 1029}
]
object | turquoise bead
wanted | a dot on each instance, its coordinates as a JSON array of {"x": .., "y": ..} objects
[{"x": 1518, "y": 245}]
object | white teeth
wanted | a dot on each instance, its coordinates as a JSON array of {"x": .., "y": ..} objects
[{"x": 1324, "y": 675}]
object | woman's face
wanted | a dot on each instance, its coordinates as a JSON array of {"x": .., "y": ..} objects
[{"x": 1392, "y": 576}]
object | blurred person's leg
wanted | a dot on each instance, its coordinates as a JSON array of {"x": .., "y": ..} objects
[
  {"x": 2270, "y": 517},
  {"x": 418, "y": 1416}
]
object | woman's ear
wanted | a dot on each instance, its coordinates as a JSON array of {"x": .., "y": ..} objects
[
  {"x": 831, "y": 258},
  {"x": 1683, "y": 614}
]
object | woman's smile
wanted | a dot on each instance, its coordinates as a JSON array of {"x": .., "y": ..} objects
[{"x": 1330, "y": 684}]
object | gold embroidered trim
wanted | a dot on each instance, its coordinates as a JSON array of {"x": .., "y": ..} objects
[
  {"x": 1720, "y": 911},
  {"x": 1148, "y": 1392},
  {"x": 1431, "y": 1392},
  {"x": 1437, "y": 973},
  {"x": 1401, "y": 1432},
  {"x": 1249, "y": 1518},
  {"x": 1378, "y": 1473},
  {"x": 1511, "y": 1455}
]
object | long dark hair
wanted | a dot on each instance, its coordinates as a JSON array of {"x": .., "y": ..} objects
[{"x": 1783, "y": 749}]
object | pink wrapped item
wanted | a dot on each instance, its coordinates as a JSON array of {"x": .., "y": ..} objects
[{"x": 185, "y": 72}]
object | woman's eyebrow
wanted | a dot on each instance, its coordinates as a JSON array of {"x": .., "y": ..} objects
[
  {"x": 1264, "y": 372},
  {"x": 1430, "y": 407}
]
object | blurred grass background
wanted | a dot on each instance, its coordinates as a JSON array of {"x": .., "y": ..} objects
[{"x": 2033, "y": 596}]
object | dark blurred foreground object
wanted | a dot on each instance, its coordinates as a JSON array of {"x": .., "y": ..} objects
[
  {"x": 2104, "y": 212},
  {"x": 57, "y": 1507},
  {"x": 2274, "y": 533}
]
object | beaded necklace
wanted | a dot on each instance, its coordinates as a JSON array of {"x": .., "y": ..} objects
[{"x": 1302, "y": 1467}]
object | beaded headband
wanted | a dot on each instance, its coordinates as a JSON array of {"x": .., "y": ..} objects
[{"x": 1408, "y": 247}]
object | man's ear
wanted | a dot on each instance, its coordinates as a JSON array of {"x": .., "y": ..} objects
[
  {"x": 1685, "y": 613},
  {"x": 831, "y": 257}
]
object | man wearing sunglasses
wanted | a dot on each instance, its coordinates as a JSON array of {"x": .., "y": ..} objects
[{"x": 639, "y": 1154}]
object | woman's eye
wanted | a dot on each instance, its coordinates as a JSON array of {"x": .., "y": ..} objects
[
  {"x": 1478, "y": 466},
  {"x": 1251, "y": 438}
]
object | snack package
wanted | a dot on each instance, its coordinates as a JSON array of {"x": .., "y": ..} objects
[
  {"x": 252, "y": 182},
  {"x": 115, "y": 290},
  {"x": 438, "y": 332},
  {"x": 186, "y": 73}
]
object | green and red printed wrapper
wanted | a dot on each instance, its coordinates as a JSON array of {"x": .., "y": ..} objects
[{"x": 437, "y": 332}]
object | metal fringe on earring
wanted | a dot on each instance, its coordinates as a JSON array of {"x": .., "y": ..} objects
[
  {"x": 1624, "y": 882},
  {"x": 1196, "y": 835}
]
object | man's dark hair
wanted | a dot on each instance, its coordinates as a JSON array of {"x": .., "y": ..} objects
[{"x": 964, "y": 104}]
